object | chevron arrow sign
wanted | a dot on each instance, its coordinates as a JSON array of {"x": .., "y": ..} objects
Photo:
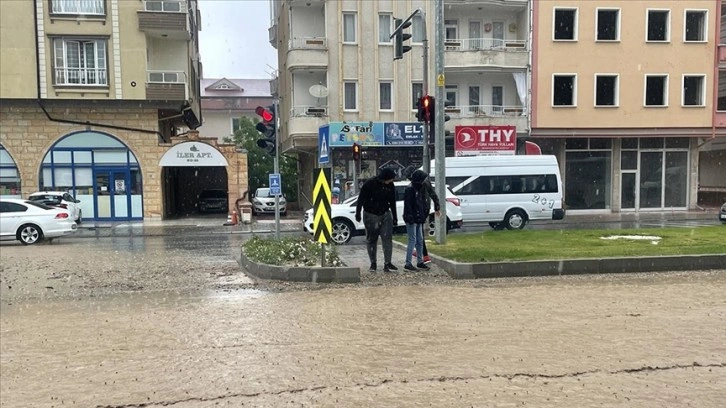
[{"x": 322, "y": 225}]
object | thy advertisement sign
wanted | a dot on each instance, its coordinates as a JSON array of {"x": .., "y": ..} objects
[{"x": 479, "y": 140}]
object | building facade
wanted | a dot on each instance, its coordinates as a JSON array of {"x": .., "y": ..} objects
[
  {"x": 225, "y": 101},
  {"x": 101, "y": 98},
  {"x": 625, "y": 93}
]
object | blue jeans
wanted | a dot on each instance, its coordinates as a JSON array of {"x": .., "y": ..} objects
[{"x": 415, "y": 239}]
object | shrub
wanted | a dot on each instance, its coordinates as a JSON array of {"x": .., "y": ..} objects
[{"x": 290, "y": 251}]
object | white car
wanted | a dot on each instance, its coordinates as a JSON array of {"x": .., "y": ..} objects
[
  {"x": 60, "y": 199},
  {"x": 264, "y": 203},
  {"x": 345, "y": 226},
  {"x": 30, "y": 221}
]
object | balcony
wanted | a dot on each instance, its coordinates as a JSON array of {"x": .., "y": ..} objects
[
  {"x": 166, "y": 86},
  {"x": 473, "y": 54},
  {"x": 492, "y": 115},
  {"x": 165, "y": 19},
  {"x": 307, "y": 53},
  {"x": 303, "y": 126}
]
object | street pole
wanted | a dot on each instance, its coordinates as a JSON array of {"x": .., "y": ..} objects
[
  {"x": 276, "y": 169},
  {"x": 439, "y": 143},
  {"x": 425, "y": 86}
]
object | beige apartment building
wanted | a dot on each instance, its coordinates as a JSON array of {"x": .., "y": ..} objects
[
  {"x": 625, "y": 94},
  {"x": 336, "y": 65},
  {"x": 101, "y": 98}
]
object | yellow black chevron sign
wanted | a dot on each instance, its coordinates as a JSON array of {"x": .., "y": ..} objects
[{"x": 322, "y": 224}]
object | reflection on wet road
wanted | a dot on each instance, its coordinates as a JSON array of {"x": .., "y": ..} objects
[{"x": 640, "y": 341}]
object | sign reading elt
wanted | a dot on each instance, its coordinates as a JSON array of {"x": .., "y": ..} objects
[{"x": 476, "y": 140}]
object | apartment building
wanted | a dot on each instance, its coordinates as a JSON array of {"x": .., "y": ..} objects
[
  {"x": 625, "y": 94},
  {"x": 101, "y": 98},
  {"x": 225, "y": 101},
  {"x": 336, "y": 69}
]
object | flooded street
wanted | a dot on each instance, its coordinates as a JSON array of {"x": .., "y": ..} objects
[{"x": 642, "y": 340}]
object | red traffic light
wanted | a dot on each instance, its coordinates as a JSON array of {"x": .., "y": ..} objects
[
  {"x": 265, "y": 114},
  {"x": 356, "y": 151},
  {"x": 426, "y": 101}
]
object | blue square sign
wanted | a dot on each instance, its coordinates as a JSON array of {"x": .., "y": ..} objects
[{"x": 275, "y": 184}]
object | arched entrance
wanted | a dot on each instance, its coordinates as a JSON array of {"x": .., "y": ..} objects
[
  {"x": 188, "y": 169},
  {"x": 100, "y": 171},
  {"x": 9, "y": 176}
]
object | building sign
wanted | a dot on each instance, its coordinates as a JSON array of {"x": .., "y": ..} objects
[
  {"x": 479, "y": 140},
  {"x": 195, "y": 154},
  {"x": 375, "y": 134}
]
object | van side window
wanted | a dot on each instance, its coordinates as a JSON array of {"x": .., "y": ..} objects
[{"x": 454, "y": 182}]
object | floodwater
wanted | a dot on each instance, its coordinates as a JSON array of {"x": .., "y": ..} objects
[{"x": 647, "y": 341}]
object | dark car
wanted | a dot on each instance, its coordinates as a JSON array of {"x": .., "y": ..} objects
[
  {"x": 213, "y": 201},
  {"x": 722, "y": 213}
]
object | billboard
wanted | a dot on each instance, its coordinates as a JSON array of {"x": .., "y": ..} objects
[
  {"x": 480, "y": 140},
  {"x": 375, "y": 133}
]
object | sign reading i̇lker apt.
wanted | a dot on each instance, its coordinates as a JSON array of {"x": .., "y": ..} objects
[{"x": 322, "y": 224}]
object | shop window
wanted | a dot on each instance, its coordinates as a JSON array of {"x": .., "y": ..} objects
[{"x": 9, "y": 176}]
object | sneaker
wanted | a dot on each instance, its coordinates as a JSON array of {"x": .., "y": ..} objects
[
  {"x": 410, "y": 267},
  {"x": 427, "y": 259},
  {"x": 422, "y": 265},
  {"x": 372, "y": 268},
  {"x": 389, "y": 267}
]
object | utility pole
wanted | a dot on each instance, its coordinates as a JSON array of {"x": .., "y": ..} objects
[
  {"x": 425, "y": 86},
  {"x": 439, "y": 143},
  {"x": 276, "y": 168}
]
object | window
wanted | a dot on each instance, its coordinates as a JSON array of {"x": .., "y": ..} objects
[
  {"x": 416, "y": 93},
  {"x": 417, "y": 29},
  {"x": 656, "y": 90},
  {"x": 721, "y": 90},
  {"x": 384, "y": 91},
  {"x": 451, "y": 29},
  {"x": 384, "y": 29},
  {"x": 79, "y": 62},
  {"x": 565, "y": 24},
  {"x": 451, "y": 92},
  {"x": 349, "y": 28},
  {"x": 92, "y": 7},
  {"x": 474, "y": 101},
  {"x": 658, "y": 25},
  {"x": 693, "y": 90},
  {"x": 236, "y": 124},
  {"x": 351, "y": 96},
  {"x": 564, "y": 90},
  {"x": 695, "y": 26},
  {"x": 722, "y": 34},
  {"x": 606, "y": 90},
  {"x": 608, "y": 25}
]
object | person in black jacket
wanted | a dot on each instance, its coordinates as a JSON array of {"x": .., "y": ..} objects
[
  {"x": 377, "y": 198},
  {"x": 416, "y": 207},
  {"x": 429, "y": 196}
]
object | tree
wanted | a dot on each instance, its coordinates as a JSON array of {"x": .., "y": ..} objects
[{"x": 260, "y": 164}]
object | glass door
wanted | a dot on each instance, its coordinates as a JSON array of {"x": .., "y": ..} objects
[
  {"x": 497, "y": 100},
  {"x": 475, "y": 35},
  {"x": 112, "y": 199}
]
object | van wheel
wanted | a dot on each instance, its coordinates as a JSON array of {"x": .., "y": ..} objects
[
  {"x": 497, "y": 226},
  {"x": 342, "y": 231},
  {"x": 515, "y": 219}
]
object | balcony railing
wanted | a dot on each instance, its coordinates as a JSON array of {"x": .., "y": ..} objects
[
  {"x": 166, "y": 77},
  {"x": 484, "y": 44},
  {"x": 168, "y": 6},
  {"x": 80, "y": 76},
  {"x": 485, "y": 110},
  {"x": 74, "y": 7},
  {"x": 308, "y": 42},
  {"x": 309, "y": 110}
]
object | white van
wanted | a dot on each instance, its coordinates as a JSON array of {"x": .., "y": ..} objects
[{"x": 506, "y": 191}]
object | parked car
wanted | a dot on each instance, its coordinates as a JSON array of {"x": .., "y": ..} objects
[
  {"x": 31, "y": 221},
  {"x": 722, "y": 214},
  {"x": 345, "y": 226},
  {"x": 264, "y": 203},
  {"x": 213, "y": 201},
  {"x": 60, "y": 199}
]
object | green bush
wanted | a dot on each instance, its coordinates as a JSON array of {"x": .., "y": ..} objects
[{"x": 290, "y": 251}]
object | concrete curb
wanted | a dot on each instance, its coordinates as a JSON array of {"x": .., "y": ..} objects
[
  {"x": 459, "y": 270},
  {"x": 313, "y": 274}
]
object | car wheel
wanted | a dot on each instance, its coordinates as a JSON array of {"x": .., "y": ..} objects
[
  {"x": 29, "y": 234},
  {"x": 497, "y": 226},
  {"x": 80, "y": 217},
  {"x": 515, "y": 219},
  {"x": 342, "y": 231}
]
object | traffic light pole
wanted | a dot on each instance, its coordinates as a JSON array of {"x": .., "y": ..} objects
[
  {"x": 439, "y": 143},
  {"x": 425, "y": 86},
  {"x": 276, "y": 170}
]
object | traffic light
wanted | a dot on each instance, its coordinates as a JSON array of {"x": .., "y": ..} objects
[
  {"x": 425, "y": 110},
  {"x": 267, "y": 128},
  {"x": 399, "y": 49},
  {"x": 356, "y": 152}
]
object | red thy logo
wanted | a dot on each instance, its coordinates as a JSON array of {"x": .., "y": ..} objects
[{"x": 466, "y": 137}]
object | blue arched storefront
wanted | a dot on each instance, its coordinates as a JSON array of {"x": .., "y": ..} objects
[{"x": 100, "y": 171}]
